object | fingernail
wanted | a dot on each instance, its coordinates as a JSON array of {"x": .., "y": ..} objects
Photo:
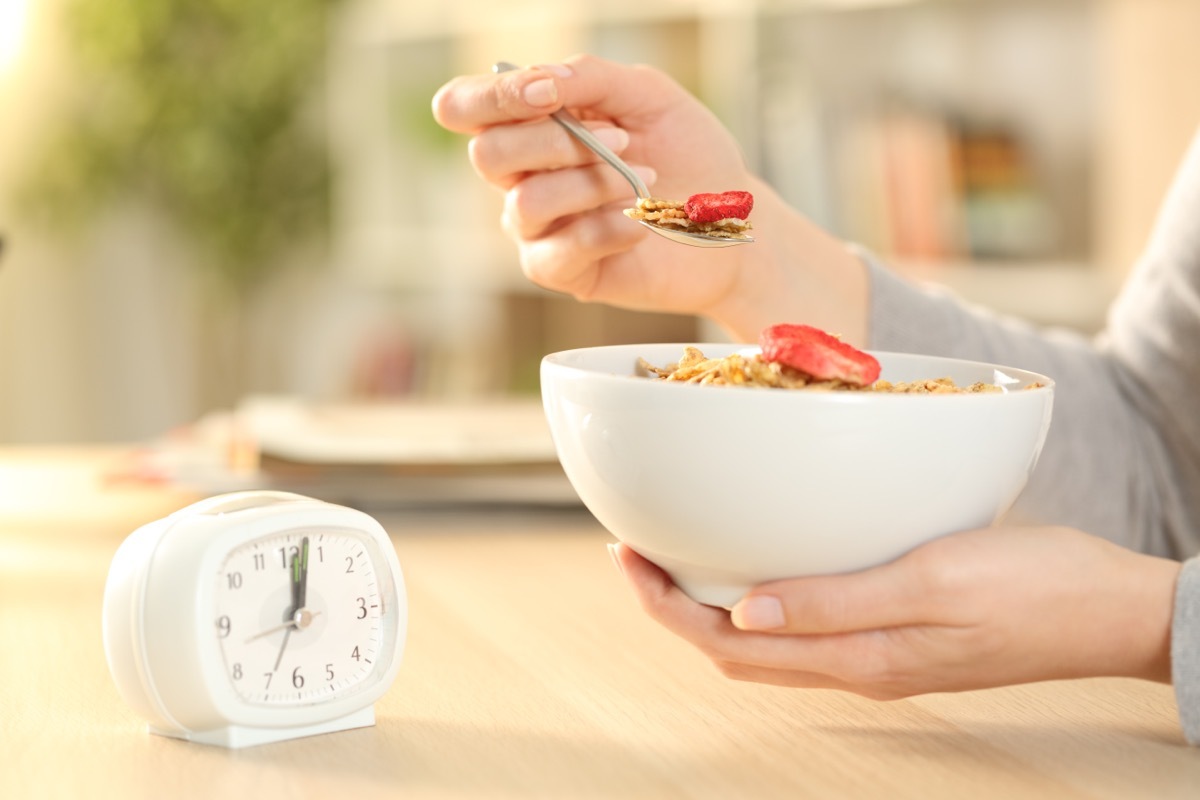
[
  {"x": 615, "y": 138},
  {"x": 758, "y": 613},
  {"x": 561, "y": 70},
  {"x": 612, "y": 553},
  {"x": 541, "y": 93}
]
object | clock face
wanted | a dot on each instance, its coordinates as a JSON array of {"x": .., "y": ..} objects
[{"x": 299, "y": 616}]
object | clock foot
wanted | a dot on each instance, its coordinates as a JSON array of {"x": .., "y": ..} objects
[{"x": 237, "y": 736}]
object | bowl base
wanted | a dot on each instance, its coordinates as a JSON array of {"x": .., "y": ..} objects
[
  {"x": 710, "y": 587},
  {"x": 712, "y": 594}
]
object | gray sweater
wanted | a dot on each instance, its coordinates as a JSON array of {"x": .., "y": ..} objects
[{"x": 1122, "y": 459}]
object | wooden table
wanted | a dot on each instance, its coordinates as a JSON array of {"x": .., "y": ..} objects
[{"x": 529, "y": 672}]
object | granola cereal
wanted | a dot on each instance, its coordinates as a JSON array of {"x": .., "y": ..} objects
[
  {"x": 755, "y": 371},
  {"x": 674, "y": 214}
]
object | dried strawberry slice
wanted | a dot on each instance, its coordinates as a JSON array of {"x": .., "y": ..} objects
[
  {"x": 701, "y": 208},
  {"x": 815, "y": 352}
]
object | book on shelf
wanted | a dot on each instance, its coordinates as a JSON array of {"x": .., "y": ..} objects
[{"x": 923, "y": 187}]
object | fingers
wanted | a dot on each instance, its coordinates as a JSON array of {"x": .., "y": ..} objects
[
  {"x": 540, "y": 200},
  {"x": 569, "y": 258},
  {"x": 859, "y": 662},
  {"x": 966, "y": 611},
  {"x": 661, "y": 598},
  {"x": 712, "y": 631},
  {"x": 505, "y": 153}
]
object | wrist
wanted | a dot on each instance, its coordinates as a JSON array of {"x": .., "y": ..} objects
[
  {"x": 795, "y": 272},
  {"x": 1146, "y": 638}
]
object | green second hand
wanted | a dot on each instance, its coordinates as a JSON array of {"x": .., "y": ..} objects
[{"x": 302, "y": 575}]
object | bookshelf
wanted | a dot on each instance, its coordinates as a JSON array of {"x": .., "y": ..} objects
[
  {"x": 1101, "y": 93},
  {"x": 985, "y": 144}
]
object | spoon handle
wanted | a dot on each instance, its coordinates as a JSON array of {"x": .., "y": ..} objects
[{"x": 576, "y": 129}]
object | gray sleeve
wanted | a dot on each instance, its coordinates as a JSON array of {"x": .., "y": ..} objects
[
  {"x": 1098, "y": 469},
  {"x": 1122, "y": 458},
  {"x": 1185, "y": 649}
]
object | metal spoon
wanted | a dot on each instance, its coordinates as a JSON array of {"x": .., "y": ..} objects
[{"x": 576, "y": 129}]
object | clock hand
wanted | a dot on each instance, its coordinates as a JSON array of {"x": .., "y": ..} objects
[
  {"x": 294, "y": 574},
  {"x": 296, "y": 615},
  {"x": 292, "y": 612},
  {"x": 289, "y": 624},
  {"x": 282, "y": 647},
  {"x": 300, "y": 620},
  {"x": 300, "y": 617},
  {"x": 300, "y": 576}
]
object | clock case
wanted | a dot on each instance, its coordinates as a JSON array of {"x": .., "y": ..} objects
[{"x": 159, "y": 637}]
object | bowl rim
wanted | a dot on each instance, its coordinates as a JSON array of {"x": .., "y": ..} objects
[{"x": 1019, "y": 378}]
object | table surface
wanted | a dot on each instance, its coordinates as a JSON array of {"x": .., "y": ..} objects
[{"x": 528, "y": 672}]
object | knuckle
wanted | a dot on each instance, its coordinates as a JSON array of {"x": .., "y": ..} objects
[
  {"x": 872, "y": 668},
  {"x": 584, "y": 60},
  {"x": 507, "y": 95},
  {"x": 443, "y": 104},
  {"x": 532, "y": 269},
  {"x": 520, "y": 204},
  {"x": 508, "y": 226},
  {"x": 825, "y": 611},
  {"x": 541, "y": 264},
  {"x": 643, "y": 71},
  {"x": 939, "y": 578},
  {"x": 482, "y": 153}
]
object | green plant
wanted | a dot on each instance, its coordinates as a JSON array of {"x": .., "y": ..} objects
[{"x": 202, "y": 107}]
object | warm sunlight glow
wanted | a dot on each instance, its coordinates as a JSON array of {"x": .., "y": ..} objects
[{"x": 13, "y": 14}]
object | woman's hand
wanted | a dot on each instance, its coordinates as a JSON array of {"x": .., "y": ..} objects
[
  {"x": 973, "y": 610},
  {"x": 563, "y": 206}
]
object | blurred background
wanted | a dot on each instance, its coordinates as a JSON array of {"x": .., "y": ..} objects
[{"x": 202, "y": 202}]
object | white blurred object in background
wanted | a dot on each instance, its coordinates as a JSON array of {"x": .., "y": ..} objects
[{"x": 13, "y": 15}]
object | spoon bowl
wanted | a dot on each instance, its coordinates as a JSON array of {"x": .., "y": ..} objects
[{"x": 585, "y": 137}]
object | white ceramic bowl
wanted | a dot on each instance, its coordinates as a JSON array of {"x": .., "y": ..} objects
[{"x": 728, "y": 487}]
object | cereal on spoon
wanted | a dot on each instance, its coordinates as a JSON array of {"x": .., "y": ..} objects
[{"x": 721, "y": 215}]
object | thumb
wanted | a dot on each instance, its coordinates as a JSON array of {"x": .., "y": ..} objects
[{"x": 881, "y": 597}]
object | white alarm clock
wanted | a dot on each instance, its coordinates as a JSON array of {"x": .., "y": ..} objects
[{"x": 255, "y": 617}]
